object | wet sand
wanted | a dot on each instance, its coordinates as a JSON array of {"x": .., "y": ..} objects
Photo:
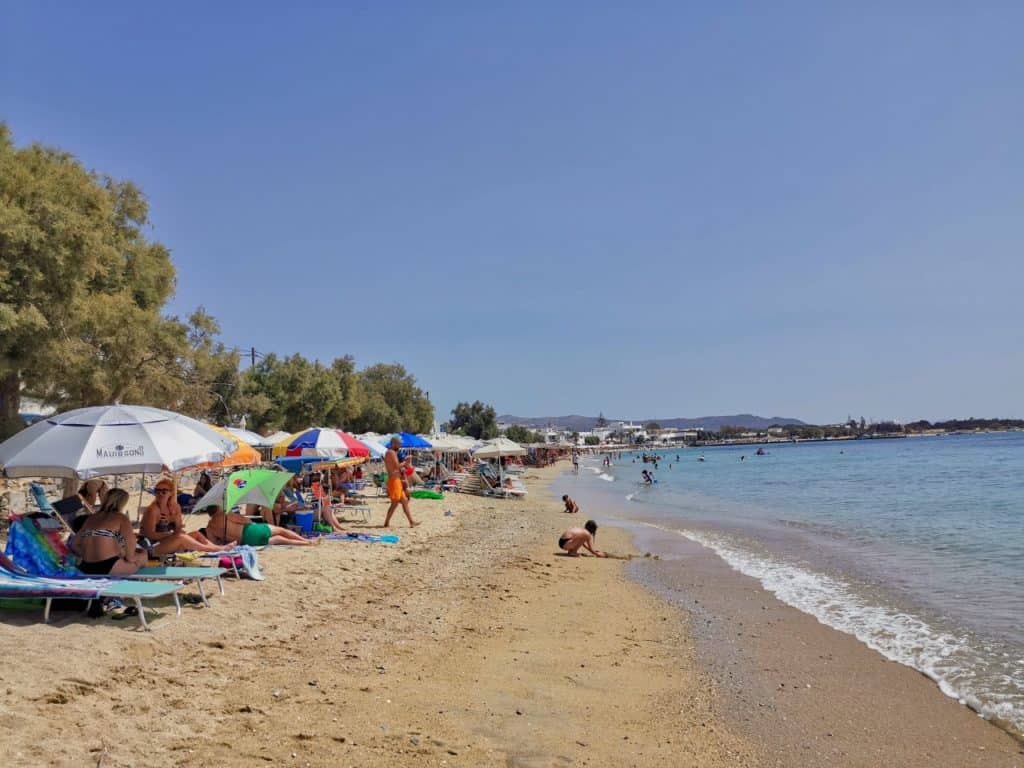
[{"x": 808, "y": 694}]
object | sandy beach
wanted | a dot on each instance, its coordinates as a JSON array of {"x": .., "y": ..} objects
[{"x": 471, "y": 642}]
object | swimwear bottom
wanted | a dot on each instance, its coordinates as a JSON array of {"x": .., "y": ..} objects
[
  {"x": 100, "y": 567},
  {"x": 396, "y": 491},
  {"x": 256, "y": 534},
  {"x": 562, "y": 542}
]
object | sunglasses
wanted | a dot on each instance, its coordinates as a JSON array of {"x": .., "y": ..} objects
[{"x": 163, "y": 490}]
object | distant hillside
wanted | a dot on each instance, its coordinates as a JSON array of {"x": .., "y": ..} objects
[{"x": 711, "y": 423}]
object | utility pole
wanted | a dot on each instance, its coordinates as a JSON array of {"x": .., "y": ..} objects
[{"x": 252, "y": 357}]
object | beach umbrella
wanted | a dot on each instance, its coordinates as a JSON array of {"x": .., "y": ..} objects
[
  {"x": 409, "y": 441},
  {"x": 253, "y": 439},
  {"x": 376, "y": 448},
  {"x": 312, "y": 442},
  {"x": 242, "y": 455},
  {"x": 112, "y": 440},
  {"x": 246, "y": 486},
  {"x": 354, "y": 446},
  {"x": 276, "y": 437},
  {"x": 298, "y": 463},
  {"x": 496, "y": 449}
]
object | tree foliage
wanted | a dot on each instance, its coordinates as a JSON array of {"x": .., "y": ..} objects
[
  {"x": 475, "y": 419},
  {"x": 522, "y": 435},
  {"x": 82, "y": 298},
  {"x": 81, "y": 288},
  {"x": 592, "y": 440}
]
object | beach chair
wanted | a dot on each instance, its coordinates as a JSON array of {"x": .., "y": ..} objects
[
  {"x": 39, "y": 553},
  {"x": 320, "y": 498},
  {"x": 17, "y": 585}
]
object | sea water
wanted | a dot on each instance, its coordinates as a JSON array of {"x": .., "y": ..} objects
[{"x": 915, "y": 546}]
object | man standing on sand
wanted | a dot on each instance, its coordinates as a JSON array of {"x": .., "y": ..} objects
[
  {"x": 570, "y": 506},
  {"x": 396, "y": 484}
]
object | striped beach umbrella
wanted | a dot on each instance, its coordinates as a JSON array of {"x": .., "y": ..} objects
[{"x": 318, "y": 441}]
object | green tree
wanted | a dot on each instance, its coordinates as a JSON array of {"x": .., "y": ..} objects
[
  {"x": 392, "y": 401},
  {"x": 475, "y": 419},
  {"x": 81, "y": 288},
  {"x": 522, "y": 435},
  {"x": 592, "y": 440}
]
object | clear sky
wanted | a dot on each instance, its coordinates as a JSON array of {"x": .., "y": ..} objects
[{"x": 666, "y": 209}]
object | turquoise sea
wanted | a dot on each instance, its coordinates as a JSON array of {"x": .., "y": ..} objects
[{"x": 915, "y": 546}]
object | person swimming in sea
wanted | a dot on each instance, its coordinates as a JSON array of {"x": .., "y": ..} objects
[{"x": 575, "y": 539}]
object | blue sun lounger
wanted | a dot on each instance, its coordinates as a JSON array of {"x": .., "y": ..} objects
[
  {"x": 14, "y": 586},
  {"x": 186, "y": 575}
]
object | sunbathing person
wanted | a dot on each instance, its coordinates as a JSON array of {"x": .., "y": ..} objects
[
  {"x": 226, "y": 529},
  {"x": 106, "y": 542},
  {"x": 575, "y": 539},
  {"x": 164, "y": 526}
]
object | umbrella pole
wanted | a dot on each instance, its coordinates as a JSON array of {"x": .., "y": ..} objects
[{"x": 138, "y": 508}]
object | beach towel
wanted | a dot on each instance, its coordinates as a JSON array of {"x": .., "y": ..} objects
[
  {"x": 366, "y": 538},
  {"x": 39, "y": 552},
  {"x": 242, "y": 559}
]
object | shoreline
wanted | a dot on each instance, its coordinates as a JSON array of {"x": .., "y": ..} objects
[{"x": 784, "y": 677}]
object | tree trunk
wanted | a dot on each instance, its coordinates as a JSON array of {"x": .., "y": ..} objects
[{"x": 10, "y": 404}]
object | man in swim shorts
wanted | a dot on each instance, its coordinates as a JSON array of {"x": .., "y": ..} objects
[
  {"x": 396, "y": 484},
  {"x": 226, "y": 528}
]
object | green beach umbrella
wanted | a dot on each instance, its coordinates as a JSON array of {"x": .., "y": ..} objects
[{"x": 246, "y": 486}]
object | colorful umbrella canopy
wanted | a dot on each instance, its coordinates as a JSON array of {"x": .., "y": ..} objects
[
  {"x": 297, "y": 463},
  {"x": 242, "y": 455},
  {"x": 112, "y": 440},
  {"x": 246, "y": 486},
  {"x": 355, "y": 447},
  {"x": 409, "y": 441},
  {"x": 312, "y": 442}
]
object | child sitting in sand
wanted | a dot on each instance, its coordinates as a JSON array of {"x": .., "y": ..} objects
[
  {"x": 224, "y": 529},
  {"x": 576, "y": 538}
]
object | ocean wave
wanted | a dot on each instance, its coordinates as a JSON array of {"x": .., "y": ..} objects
[
  {"x": 948, "y": 659},
  {"x": 607, "y": 477}
]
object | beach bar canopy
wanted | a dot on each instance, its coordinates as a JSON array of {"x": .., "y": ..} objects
[{"x": 112, "y": 440}]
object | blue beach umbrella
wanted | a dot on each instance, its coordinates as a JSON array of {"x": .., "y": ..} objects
[{"x": 412, "y": 442}]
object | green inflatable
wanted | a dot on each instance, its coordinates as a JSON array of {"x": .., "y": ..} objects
[{"x": 423, "y": 494}]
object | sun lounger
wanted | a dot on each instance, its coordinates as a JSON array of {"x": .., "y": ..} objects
[
  {"x": 16, "y": 586},
  {"x": 185, "y": 575}
]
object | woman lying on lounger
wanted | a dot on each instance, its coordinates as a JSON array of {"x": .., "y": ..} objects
[
  {"x": 106, "y": 542},
  {"x": 164, "y": 526},
  {"x": 226, "y": 529}
]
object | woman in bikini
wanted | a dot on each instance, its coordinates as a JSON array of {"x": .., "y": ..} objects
[
  {"x": 575, "y": 539},
  {"x": 163, "y": 525},
  {"x": 106, "y": 542}
]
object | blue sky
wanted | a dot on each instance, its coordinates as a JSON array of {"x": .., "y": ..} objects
[{"x": 672, "y": 209}]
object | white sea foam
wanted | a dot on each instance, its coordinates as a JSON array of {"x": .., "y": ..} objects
[
  {"x": 629, "y": 496},
  {"x": 946, "y": 658},
  {"x": 607, "y": 477}
]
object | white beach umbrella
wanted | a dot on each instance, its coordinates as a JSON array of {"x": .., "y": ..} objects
[
  {"x": 112, "y": 440},
  {"x": 495, "y": 449},
  {"x": 251, "y": 438},
  {"x": 277, "y": 437},
  {"x": 498, "y": 447}
]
